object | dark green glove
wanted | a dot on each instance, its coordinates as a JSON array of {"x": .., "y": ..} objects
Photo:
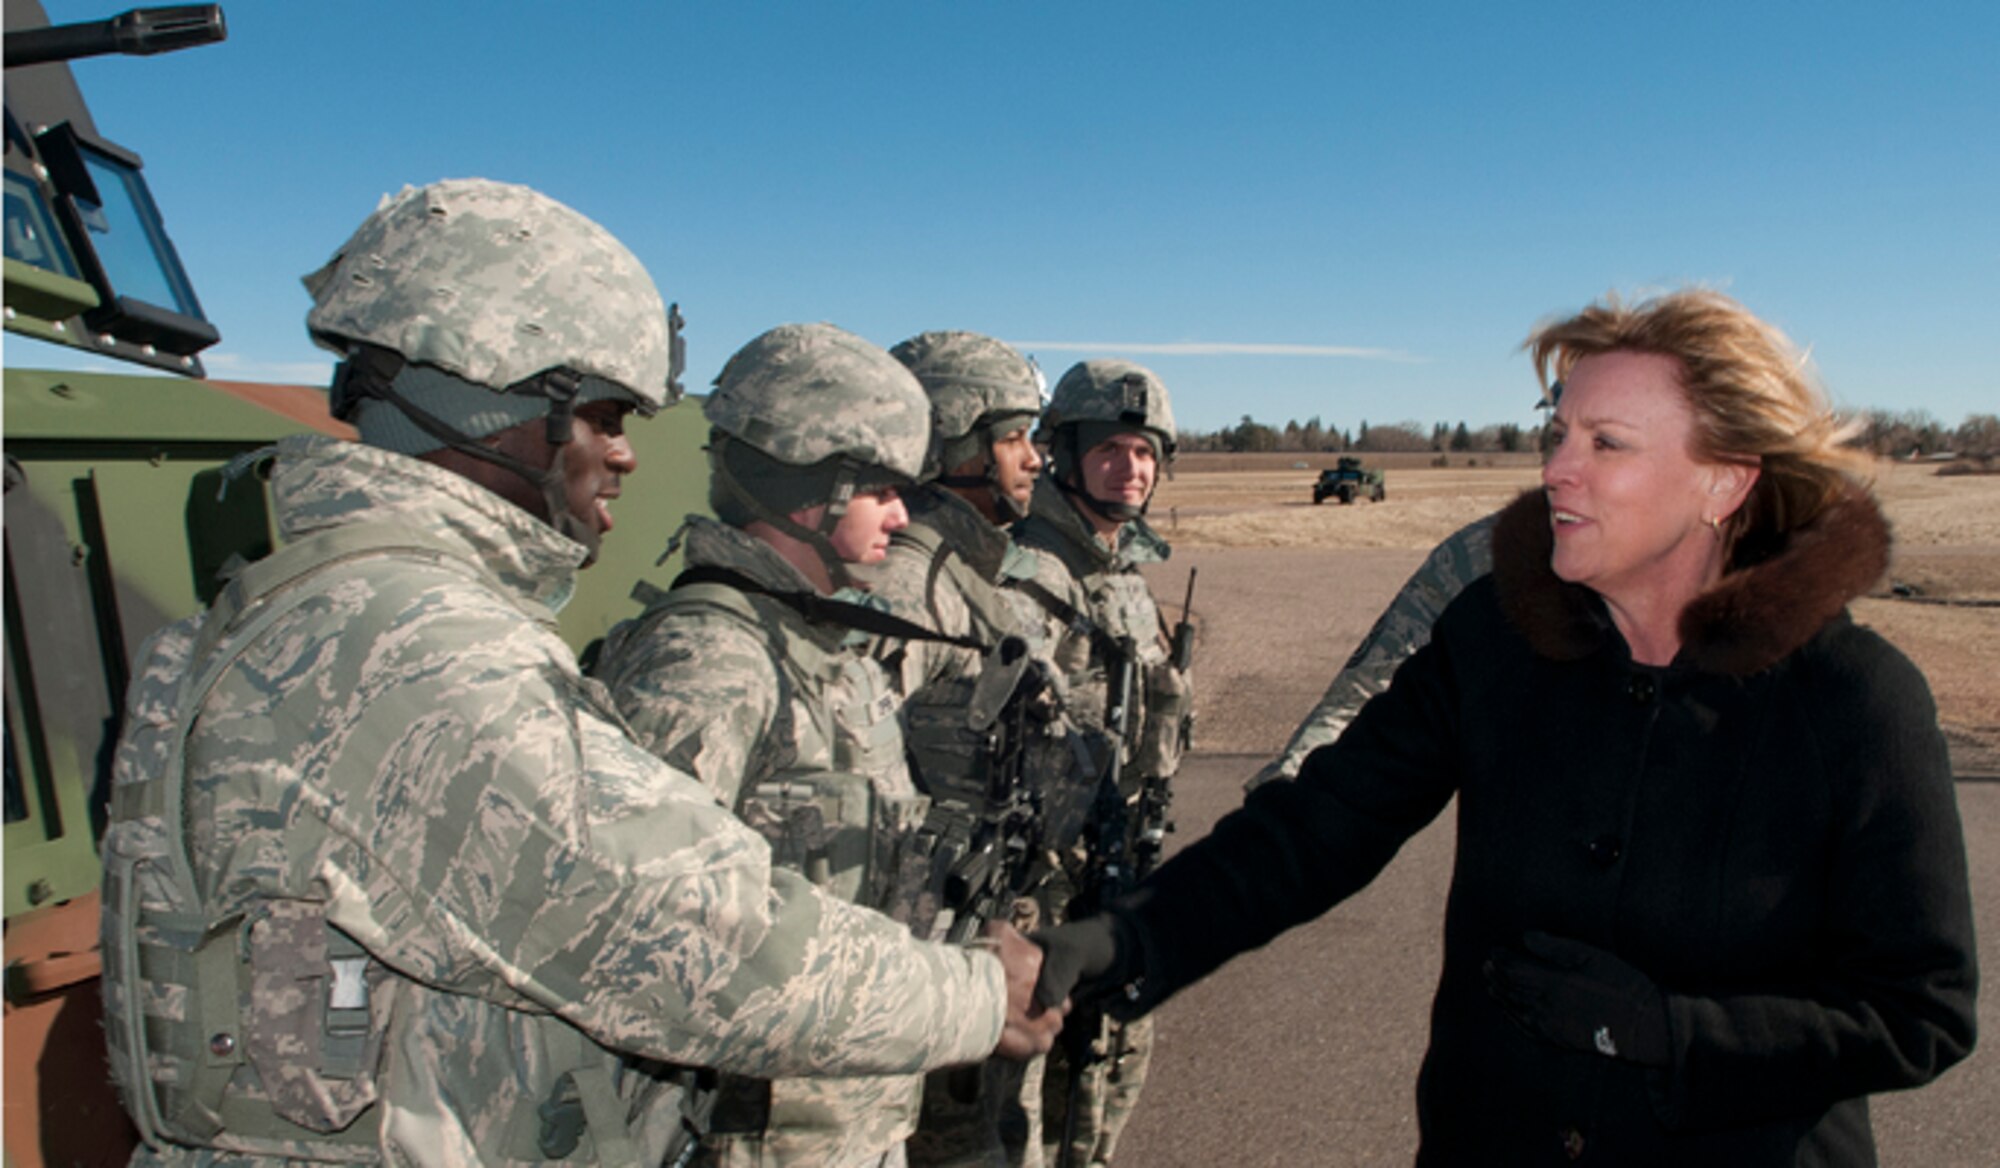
[
  {"x": 1581, "y": 997},
  {"x": 1081, "y": 959}
]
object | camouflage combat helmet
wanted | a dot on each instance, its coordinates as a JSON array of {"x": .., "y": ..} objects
[
  {"x": 467, "y": 306},
  {"x": 810, "y": 414},
  {"x": 1097, "y": 400},
  {"x": 981, "y": 391}
]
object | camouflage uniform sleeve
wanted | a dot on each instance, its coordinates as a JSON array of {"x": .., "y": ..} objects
[
  {"x": 1402, "y": 629},
  {"x": 480, "y": 822},
  {"x": 760, "y": 972},
  {"x": 701, "y": 693}
]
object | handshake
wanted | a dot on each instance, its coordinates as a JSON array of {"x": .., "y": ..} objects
[{"x": 1042, "y": 971}]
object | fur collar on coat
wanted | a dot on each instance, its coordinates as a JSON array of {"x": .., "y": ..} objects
[{"x": 1747, "y": 622}]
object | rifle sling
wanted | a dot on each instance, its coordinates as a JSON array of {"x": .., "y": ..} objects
[
  {"x": 1064, "y": 611},
  {"x": 823, "y": 610}
]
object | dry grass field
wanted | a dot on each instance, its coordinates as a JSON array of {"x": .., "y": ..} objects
[{"x": 1946, "y": 559}]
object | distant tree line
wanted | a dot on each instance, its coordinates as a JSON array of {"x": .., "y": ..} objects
[
  {"x": 1908, "y": 434},
  {"x": 1311, "y": 437},
  {"x": 1916, "y": 434}
]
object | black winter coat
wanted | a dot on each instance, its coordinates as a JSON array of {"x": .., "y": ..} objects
[{"x": 1766, "y": 828}]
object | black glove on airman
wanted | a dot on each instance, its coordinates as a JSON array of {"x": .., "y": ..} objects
[
  {"x": 1579, "y": 996},
  {"x": 1083, "y": 959}
]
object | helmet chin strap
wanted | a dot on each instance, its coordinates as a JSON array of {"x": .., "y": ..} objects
[
  {"x": 1109, "y": 510},
  {"x": 1106, "y": 509},
  {"x": 819, "y": 539},
  {"x": 1005, "y": 505},
  {"x": 555, "y": 496},
  {"x": 370, "y": 372}
]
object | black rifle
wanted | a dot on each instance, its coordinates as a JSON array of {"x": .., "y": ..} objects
[
  {"x": 986, "y": 844},
  {"x": 1107, "y": 872},
  {"x": 1183, "y": 654},
  {"x": 988, "y": 852}
]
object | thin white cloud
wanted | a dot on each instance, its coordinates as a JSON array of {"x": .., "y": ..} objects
[{"x": 1217, "y": 349}]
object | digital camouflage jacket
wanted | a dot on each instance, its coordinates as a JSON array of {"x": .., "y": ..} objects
[
  {"x": 789, "y": 722},
  {"x": 953, "y": 572},
  {"x": 1090, "y": 593},
  {"x": 443, "y": 906},
  {"x": 950, "y": 571},
  {"x": 1086, "y": 592},
  {"x": 1402, "y": 629}
]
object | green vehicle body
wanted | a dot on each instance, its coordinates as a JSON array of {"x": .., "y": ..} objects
[
  {"x": 1348, "y": 480},
  {"x": 117, "y": 522}
]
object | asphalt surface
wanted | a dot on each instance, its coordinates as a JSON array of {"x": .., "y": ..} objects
[{"x": 1306, "y": 1052}]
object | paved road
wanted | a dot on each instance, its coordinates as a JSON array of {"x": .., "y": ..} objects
[{"x": 1307, "y": 1052}]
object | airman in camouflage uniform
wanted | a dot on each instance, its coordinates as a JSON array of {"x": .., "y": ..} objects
[
  {"x": 386, "y": 880},
  {"x": 1402, "y": 629},
  {"x": 953, "y": 570},
  {"x": 1110, "y": 430},
  {"x": 949, "y": 568},
  {"x": 746, "y": 675}
]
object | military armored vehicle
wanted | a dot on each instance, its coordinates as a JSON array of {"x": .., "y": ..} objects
[
  {"x": 117, "y": 523},
  {"x": 1348, "y": 481}
]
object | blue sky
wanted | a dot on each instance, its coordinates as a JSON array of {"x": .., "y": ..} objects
[{"x": 1355, "y": 211}]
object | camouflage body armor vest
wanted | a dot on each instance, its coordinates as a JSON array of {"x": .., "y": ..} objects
[
  {"x": 261, "y": 1033},
  {"x": 945, "y": 752},
  {"x": 1094, "y": 599},
  {"x": 850, "y": 824}
]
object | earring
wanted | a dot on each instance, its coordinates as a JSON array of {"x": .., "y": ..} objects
[{"x": 1715, "y": 525}]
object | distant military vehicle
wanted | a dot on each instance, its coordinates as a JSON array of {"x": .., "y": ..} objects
[
  {"x": 1348, "y": 481},
  {"x": 116, "y": 523}
]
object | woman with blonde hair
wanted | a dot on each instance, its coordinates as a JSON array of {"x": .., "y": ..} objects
[{"x": 1710, "y": 888}]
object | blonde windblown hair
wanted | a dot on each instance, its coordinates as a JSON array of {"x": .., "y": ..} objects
[{"x": 1753, "y": 394}]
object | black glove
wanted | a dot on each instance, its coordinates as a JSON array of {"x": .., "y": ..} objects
[
  {"x": 1581, "y": 997},
  {"x": 1079, "y": 959}
]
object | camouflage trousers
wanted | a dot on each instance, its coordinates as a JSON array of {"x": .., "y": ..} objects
[
  {"x": 811, "y": 1123},
  {"x": 1111, "y": 1083},
  {"x": 741, "y": 1152},
  {"x": 981, "y": 1116},
  {"x": 1109, "y": 1091},
  {"x": 972, "y": 1118}
]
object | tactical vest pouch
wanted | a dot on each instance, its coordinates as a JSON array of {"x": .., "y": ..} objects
[
  {"x": 188, "y": 1018},
  {"x": 947, "y": 755},
  {"x": 900, "y": 868},
  {"x": 817, "y": 822},
  {"x": 198, "y": 1045},
  {"x": 1167, "y": 724},
  {"x": 850, "y": 839},
  {"x": 583, "y": 1119},
  {"x": 306, "y": 1022}
]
